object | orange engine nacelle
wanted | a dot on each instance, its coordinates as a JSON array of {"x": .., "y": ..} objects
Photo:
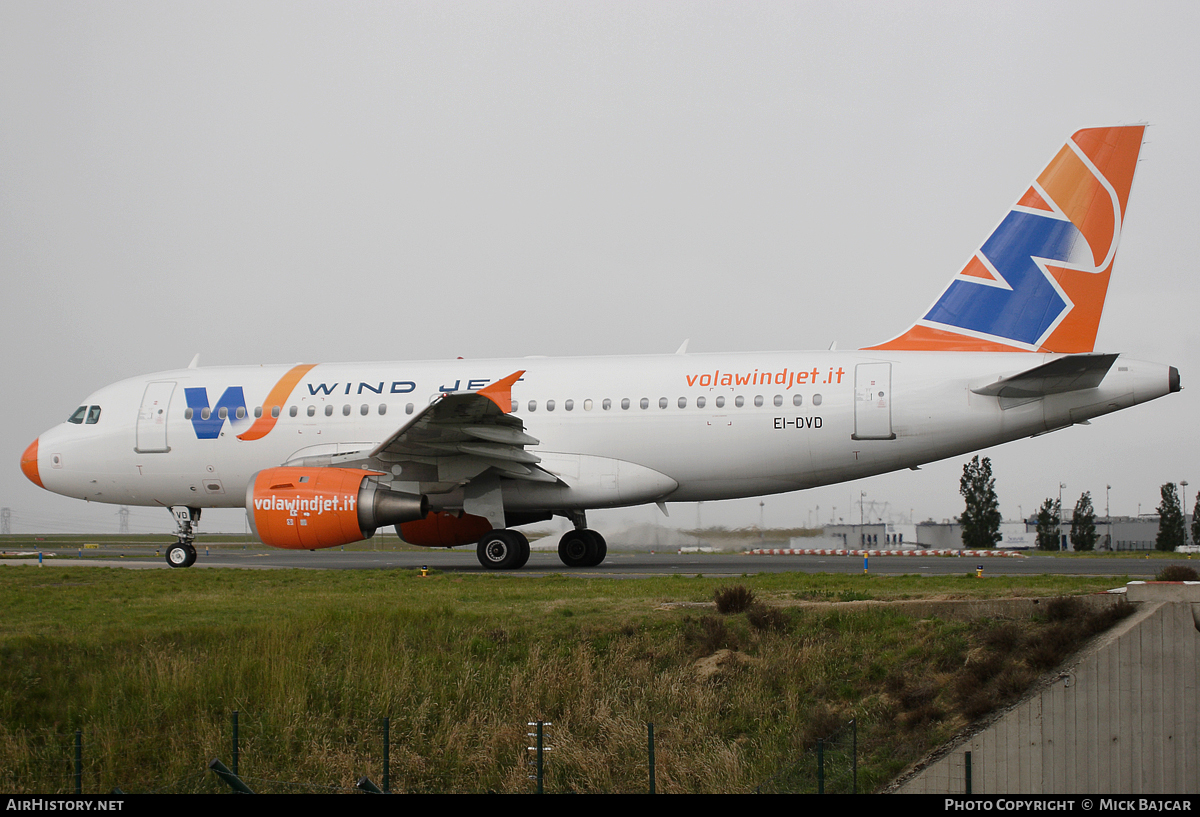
[
  {"x": 444, "y": 530},
  {"x": 309, "y": 508}
]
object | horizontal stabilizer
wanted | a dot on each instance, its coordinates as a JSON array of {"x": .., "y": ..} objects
[{"x": 1070, "y": 373}]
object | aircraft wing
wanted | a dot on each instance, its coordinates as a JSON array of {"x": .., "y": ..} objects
[
  {"x": 457, "y": 438},
  {"x": 1064, "y": 374}
]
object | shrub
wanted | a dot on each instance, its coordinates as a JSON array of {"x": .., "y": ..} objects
[
  {"x": 764, "y": 618},
  {"x": 1177, "y": 573},
  {"x": 1055, "y": 644},
  {"x": 1064, "y": 608},
  {"x": 1102, "y": 620},
  {"x": 736, "y": 599},
  {"x": 1004, "y": 638},
  {"x": 708, "y": 635}
]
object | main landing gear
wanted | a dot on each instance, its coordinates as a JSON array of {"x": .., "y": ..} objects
[
  {"x": 503, "y": 550},
  {"x": 509, "y": 549},
  {"x": 183, "y": 553}
]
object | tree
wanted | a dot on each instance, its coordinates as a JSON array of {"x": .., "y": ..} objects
[
  {"x": 1170, "y": 520},
  {"x": 1083, "y": 524},
  {"x": 1196, "y": 521},
  {"x": 1048, "y": 519},
  {"x": 981, "y": 519}
]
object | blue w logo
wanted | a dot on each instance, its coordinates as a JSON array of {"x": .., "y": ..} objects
[
  {"x": 209, "y": 428},
  {"x": 1033, "y": 305}
]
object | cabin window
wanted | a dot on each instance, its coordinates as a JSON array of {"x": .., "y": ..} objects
[
  {"x": 222, "y": 412},
  {"x": 382, "y": 409},
  {"x": 364, "y": 410},
  {"x": 683, "y": 402},
  {"x": 816, "y": 399},
  {"x": 644, "y": 402},
  {"x": 240, "y": 412},
  {"x": 758, "y": 401},
  {"x": 607, "y": 404},
  {"x": 329, "y": 410},
  {"x": 205, "y": 413},
  {"x": 662, "y": 402},
  {"x": 257, "y": 412},
  {"x": 797, "y": 399},
  {"x": 274, "y": 411},
  {"x": 779, "y": 400},
  {"x": 700, "y": 402},
  {"x": 533, "y": 405},
  {"x": 568, "y": 405},
  {"x": 624, "y": 403},
  {"x": 78, "y": 415},
  {"x": 293, "y": 411},
  {"x": 549, "y": 405},
  {"x": 720, "y": 402},
  {"x": 187, "y": 413},
  {"x": 739, "y": 401},
  {"x": 515, "y": 406},
  {"x": 346, "y": 410},
  {"x": 587, "y": 405},
  {"x": 312, "y": 411},
  {"x": 408, "y": 409}
]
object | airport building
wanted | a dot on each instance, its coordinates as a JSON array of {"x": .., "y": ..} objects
[{"x": 1120, "y": 533}]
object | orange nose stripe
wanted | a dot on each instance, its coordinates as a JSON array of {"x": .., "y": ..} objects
[{"x": 29, "y": 464}]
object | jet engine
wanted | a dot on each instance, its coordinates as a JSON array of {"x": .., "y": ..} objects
[{"x": 320, "y": 507}]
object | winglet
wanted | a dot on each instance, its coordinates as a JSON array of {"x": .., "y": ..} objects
[{"x": 500, "y": 392}]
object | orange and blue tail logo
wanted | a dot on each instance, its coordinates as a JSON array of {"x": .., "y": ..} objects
[{"x": 1038, "y": 282}]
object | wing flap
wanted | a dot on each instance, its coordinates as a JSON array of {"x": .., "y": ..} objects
[
  {"x": 458, "y": 438},
  {"x": 462, "y": 436}
]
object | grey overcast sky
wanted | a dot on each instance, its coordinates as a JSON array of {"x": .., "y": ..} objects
[{"x": 315, "y": 181}]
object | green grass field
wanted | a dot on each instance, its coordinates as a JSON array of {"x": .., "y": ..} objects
[{"x": 150, "y": 664}]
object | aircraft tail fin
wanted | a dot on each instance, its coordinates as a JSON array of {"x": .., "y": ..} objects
[{"x": 1038, "y": 282}]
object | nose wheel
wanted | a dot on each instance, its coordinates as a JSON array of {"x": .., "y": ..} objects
[
  {"x": 181, "y": 554},
  {"x": 582, "y": 548}
]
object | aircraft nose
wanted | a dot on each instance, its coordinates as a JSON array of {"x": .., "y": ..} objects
[{"x": 29, "y": 464}]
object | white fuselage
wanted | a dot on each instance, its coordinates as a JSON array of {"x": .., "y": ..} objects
[{"x": 615, "y": 430}]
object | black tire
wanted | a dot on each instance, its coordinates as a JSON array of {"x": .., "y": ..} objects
[
  {"x": 191, "y": 559},
  {"x": 523, "y": 544},
  {"x": 178, "y": 556},
  {"x": 576, "y": 547},
  {"x": 597, "y": 549},
  {"x": 501, "y": 550}
]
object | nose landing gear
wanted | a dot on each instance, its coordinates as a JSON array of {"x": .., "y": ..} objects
[
  {"x": 183, "y": 553},
  {"x": 582, "y": 548}
]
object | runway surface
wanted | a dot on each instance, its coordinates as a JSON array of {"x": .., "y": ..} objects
[{"x": 619, "y": 564}]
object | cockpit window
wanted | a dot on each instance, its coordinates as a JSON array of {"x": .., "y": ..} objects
[
  {"x": 78, "y": 416},
  {"x": 93, "y": 415}
]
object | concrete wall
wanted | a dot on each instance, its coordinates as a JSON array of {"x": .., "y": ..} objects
[{"x": 1122, "y": 718}]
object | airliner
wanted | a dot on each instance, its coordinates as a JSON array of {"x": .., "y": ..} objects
[{"x": 462, "y": 452}]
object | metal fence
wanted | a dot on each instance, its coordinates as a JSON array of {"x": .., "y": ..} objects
[{"x": 830, "y": 767}]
